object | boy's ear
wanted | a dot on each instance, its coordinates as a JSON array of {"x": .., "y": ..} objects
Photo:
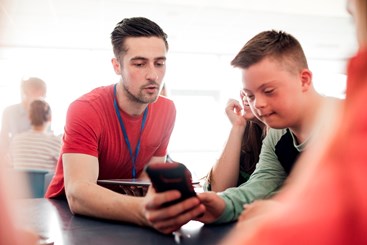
[
  {"x": 116, "y": 66},
  {"x": 306, "y": 79}
]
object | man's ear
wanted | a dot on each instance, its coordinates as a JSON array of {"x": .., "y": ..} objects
[
  {"x": 116, "y": 66},
  {"x": 306, "y": 79}
]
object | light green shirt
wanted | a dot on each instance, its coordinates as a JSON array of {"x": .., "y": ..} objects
[{"x": 267, "y": 178}]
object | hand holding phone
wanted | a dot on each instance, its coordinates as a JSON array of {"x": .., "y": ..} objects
[{"x": 171, "y": 176}]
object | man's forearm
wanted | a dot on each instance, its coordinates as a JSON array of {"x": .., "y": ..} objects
[{"x": 96, "y": 201}]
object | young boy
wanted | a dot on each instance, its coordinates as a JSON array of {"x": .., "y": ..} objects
[
  {"x": 334, "y": 209},
  {"x": 278, "y": 85}
]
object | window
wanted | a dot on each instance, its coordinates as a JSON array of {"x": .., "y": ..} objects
[{"x": 199, "y": 84}]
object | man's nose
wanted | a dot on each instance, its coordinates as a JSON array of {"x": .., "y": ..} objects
[{"x": 152, "y": 73}]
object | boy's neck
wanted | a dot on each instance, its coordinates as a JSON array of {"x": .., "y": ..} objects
[{"x": 303, "y": 130}]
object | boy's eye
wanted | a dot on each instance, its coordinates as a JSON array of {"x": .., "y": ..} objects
[{"x": 269, "y": 91}]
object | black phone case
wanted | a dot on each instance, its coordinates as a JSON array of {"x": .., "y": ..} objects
[{"x": 171, "y": 176}]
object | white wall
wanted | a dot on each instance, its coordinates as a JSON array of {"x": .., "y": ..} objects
[{"x": 199, "y": 84}]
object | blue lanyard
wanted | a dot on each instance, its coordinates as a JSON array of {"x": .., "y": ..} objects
[{"x": 133, "y": 158}]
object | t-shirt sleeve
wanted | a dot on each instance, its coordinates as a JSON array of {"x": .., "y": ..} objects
[
  {"x": 267, "y": 178},
  {"x": 82, "y": 129},
  {"x": 169, "y": 125}
]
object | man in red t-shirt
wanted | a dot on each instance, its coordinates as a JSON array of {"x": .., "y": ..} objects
[{"x": 114, "y": 131}]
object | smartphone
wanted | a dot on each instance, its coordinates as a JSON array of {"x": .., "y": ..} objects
[{"x": 171, "y": 176}]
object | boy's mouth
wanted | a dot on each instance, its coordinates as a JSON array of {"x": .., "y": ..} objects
[{"x": 265, "y": 115}]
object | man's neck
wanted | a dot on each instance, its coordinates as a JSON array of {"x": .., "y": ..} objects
[{"x": 124, "y": 103}]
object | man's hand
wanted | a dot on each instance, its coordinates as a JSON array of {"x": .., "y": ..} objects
[{"x": 170, "y": 219}]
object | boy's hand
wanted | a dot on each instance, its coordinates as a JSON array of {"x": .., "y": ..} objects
[{"x": 214, "y": 207}]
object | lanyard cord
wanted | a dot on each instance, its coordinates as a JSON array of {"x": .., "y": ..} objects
[{"x": 123, "y": 129}]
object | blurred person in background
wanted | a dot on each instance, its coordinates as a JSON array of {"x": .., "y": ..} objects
[
  {"x": 15, "y": 118},
  {"x": 164, "y": 91},
  {"x": 11, "y": 231},
  {"x": 36, "y": 148},
  {"x": 325, "y": 201}
]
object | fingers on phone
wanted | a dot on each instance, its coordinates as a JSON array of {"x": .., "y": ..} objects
[
  {"x": 177, "y": 215},
  {"x": 159, "y": 199},
  {"x": 187, "y": 209}
]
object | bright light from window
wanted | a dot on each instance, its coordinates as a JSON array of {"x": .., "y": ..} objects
[{"x": 199, "y": 84}]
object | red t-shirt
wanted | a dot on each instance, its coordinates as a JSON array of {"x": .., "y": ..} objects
[{"x": 92, "y": 128}]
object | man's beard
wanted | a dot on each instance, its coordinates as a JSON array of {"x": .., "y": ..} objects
[{"x": 139, "y": 98}]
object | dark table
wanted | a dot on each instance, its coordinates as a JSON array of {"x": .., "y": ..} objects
[{"x": 53, "y": 219}]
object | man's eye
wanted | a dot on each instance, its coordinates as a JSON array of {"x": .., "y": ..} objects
[
  {"x": 269, "y": 91},
  {"x": 160, "y": 64}
]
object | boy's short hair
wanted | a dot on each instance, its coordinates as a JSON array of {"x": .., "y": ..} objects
[
  {"x": 134, "y": 27},
  {"x": 276, "y": 45}
]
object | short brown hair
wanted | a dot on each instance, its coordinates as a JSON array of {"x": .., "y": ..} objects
[
  {"x": 135, "y": 27},
  {"x": 273, "y": 44},
  {"x": 39, "y": 112}
]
